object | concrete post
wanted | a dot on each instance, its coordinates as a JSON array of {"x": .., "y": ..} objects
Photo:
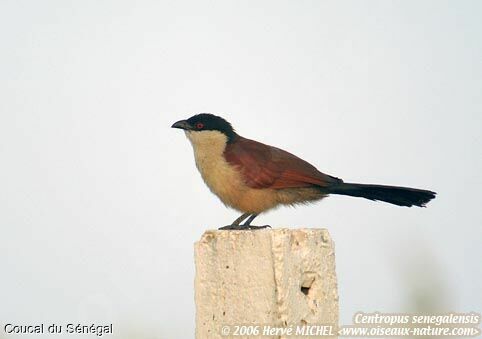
[{"x": 276, "y": 277}]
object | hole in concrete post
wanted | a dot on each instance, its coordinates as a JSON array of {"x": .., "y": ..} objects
[{"x": 307, "y": 280}]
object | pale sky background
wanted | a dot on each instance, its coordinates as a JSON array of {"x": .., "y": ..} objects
[{"x": 100, "y": 200}]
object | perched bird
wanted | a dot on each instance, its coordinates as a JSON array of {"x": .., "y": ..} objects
[{"x": 252, "y": 177}]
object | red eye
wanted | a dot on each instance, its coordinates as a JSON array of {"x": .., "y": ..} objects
[{"x": 199, "y": 125}]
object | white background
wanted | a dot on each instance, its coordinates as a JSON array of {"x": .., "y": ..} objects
[{"x": 100, "y": 201}]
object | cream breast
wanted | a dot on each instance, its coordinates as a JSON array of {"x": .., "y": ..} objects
[{"x": 223, "y": 179}]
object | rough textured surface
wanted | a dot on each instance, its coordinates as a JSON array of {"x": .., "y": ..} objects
[{"x": 272, "y": 277}]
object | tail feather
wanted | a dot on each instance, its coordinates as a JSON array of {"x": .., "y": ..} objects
[{"x": 401, "y": 196}]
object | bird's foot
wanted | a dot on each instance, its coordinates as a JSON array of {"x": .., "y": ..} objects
[
  {"x": 243, "y": 227},
  {"x": 233, "y": 227},
  {"x": 251, "y": 227}
]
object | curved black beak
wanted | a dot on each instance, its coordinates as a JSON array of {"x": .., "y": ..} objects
[{"x": 182, "y": 124}]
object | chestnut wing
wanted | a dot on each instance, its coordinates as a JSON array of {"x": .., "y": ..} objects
[{"x": 264, "y": 166}]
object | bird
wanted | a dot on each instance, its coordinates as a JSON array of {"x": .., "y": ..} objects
[{"x": 252, "y": 177}]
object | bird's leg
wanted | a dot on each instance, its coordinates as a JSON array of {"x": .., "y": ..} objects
[
  {"x": 247, "y": 223},
  {"x": 241, "y": 218},
  {"x": 236, "y": 223},
  {"x": 251, "y": 218}
]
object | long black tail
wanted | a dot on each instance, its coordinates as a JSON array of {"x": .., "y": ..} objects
[{"x": 401, "y": 196}]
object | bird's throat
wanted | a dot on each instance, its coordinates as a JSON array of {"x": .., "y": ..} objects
[{"x": 208, "y": 147}]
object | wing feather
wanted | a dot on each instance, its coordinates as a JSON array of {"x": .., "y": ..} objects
[{"x": 264, "y": 166}]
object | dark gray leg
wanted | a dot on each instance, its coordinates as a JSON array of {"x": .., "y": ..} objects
[
  {"x": 241, "y": 218},
  {"x": 246, "y": 226},
  {"x": 247, "y": 223},
  {"x": 236, "y": 223},
  {"x": 251, "y": 218}
]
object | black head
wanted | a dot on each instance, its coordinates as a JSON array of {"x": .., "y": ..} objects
[{"x": 206, "y": 122}]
